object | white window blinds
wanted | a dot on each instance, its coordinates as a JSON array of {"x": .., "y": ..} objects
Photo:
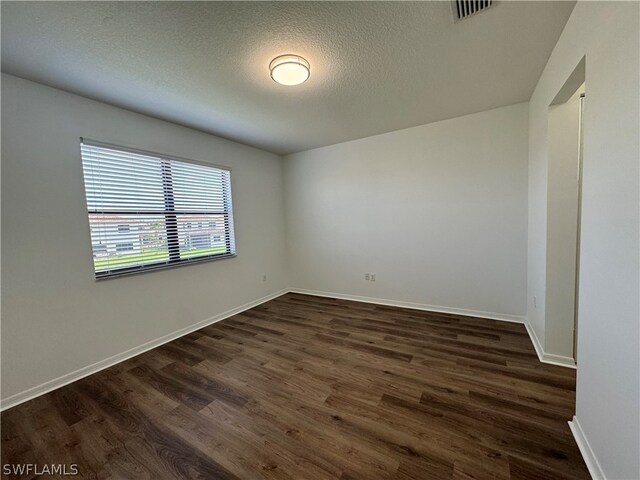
[{"x": 149, "y": 211}]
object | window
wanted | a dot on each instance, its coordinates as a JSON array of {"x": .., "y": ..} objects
[{"x": 149, "y": 211}]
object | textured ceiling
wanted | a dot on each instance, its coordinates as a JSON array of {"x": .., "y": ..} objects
[{"x": 375, "y": 66}]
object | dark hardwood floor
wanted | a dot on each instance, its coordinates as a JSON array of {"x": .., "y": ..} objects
[{"x": 313, "y": 388}]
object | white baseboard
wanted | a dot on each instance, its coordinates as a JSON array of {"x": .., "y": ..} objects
[
  {"x": 415, "y": 306},
  {"x": 595, "y": 470},
  {"x": 585, "y": 449},
  {"x": 46, "y": 387},
  {"x": 549, "y": 358},
  {"x": 542, "y": 356},
  {"x": 535, "y": 340},
  {"x": 558, "y": 360}
]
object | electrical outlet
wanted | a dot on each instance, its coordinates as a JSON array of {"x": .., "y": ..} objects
[
  {"x": 264, "y": 278},
  {"x": 373, "y": 277},
  {"x": 367, "y": 276}
]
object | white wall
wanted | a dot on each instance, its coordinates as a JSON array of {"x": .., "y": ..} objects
[
  {"x": 562, "y": 226},
  {"x": 56, "y": 318},
  {"x": 438, "y": 212},
  {"x": 608, "y": 385}
]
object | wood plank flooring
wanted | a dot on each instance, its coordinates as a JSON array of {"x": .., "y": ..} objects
[{"x": 313, "y": 388}]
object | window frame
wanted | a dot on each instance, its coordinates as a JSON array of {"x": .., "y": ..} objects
[{"x": 173, "y": 250}]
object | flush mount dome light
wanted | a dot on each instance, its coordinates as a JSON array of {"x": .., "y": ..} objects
[{"x": 289, "y": 69}]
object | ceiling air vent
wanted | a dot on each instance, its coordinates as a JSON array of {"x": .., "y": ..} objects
[{"x": 465, "y": 8}]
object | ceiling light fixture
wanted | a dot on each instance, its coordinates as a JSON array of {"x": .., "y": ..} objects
[{"x": 289, "y": 70}]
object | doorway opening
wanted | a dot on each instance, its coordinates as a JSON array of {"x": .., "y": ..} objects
[{"x": 564, "y": 199}]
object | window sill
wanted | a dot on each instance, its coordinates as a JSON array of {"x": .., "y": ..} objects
[{"x": 159, "y": 266}]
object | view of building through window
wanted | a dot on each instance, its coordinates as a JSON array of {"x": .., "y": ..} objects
[{"x": 148, "y": 211}]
